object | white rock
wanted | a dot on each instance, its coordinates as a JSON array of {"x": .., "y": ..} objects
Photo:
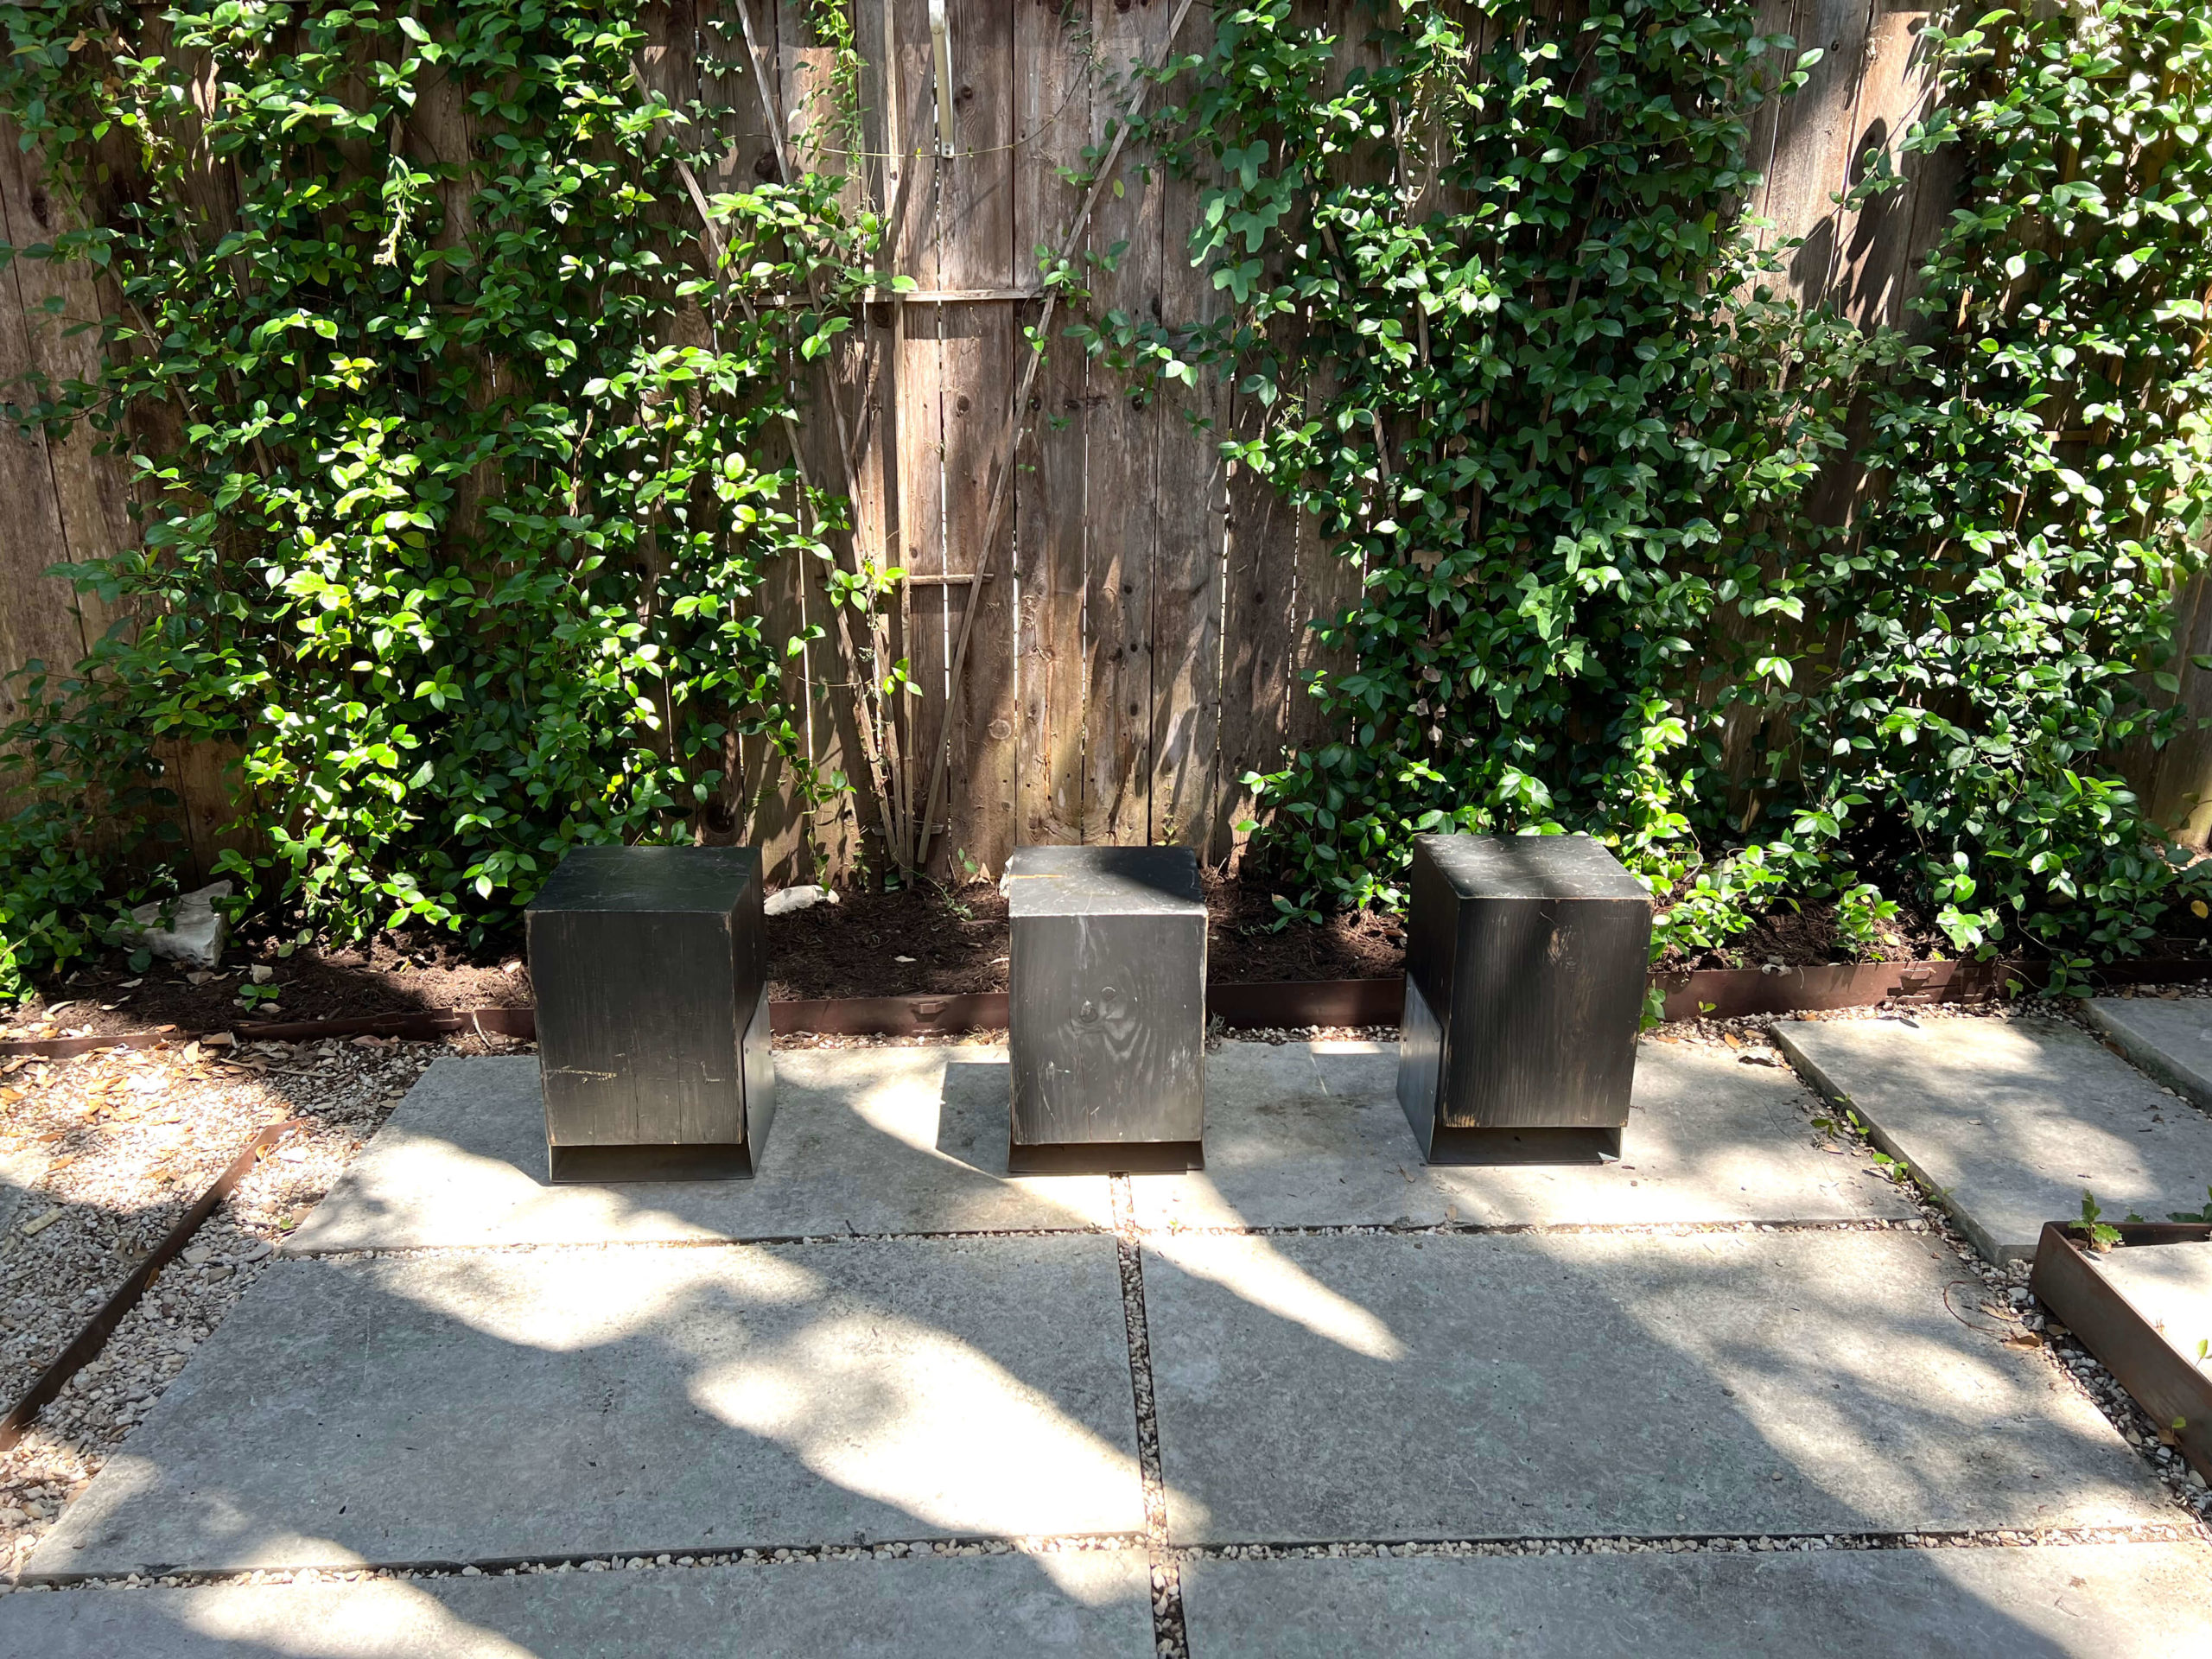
[
  {"x": 796, "y": 899},
  {"x": 195, "y": 937}
]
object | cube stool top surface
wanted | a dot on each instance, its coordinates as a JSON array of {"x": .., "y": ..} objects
[
  {"x": 1112, "y": 881},
  {"x": 1530, "y": 867},
  {"x": 651, "y": 879}
]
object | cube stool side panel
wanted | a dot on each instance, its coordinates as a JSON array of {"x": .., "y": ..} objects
[
  {"x": 1545, "y": 1012},
  {"x": 1421, "y": 1064},
  {"x": 638, "y": 1028},
  {"x": 1107, "y": 1037}
]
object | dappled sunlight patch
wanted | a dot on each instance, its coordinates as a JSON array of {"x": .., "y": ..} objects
[
  {"x": 1254, "y": 1270},
  {"x": 385, "y": 1618},
  {"x": 600, "y": 1296},
  {"x": 916, "y": 1418},
  {"x": 1843, "y": 1352}
]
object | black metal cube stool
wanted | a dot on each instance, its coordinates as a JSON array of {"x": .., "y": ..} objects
[
  {"x": 651, "y": 965},
  {"x": 1526, "y": 957},
  {"x": 1108, "y": 1008}
]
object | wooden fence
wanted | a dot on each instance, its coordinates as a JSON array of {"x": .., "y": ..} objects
[{"x": 1140, "y": 632}]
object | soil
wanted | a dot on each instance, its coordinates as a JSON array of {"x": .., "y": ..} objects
[
  {"x": 1800, "y": 937},
  {"x": 391, "y": 975},
  {"x": 922, "y": 940},
  {"x": 929, "y": 940}
]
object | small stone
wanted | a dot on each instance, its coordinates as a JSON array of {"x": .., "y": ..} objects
[
  {"x": 195, "y": 931},
  {"x": 790, "y": 901}
]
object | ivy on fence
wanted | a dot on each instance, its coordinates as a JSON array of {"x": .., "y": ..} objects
[
  {"x": 1786, "y": 610},
  {"x": 460, "y": 463},
  {"x": 460, "y": 416}
]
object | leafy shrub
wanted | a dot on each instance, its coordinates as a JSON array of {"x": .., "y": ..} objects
[
  {"x": 1781, "y": 608},
  {"x": 458, "y": 468}
]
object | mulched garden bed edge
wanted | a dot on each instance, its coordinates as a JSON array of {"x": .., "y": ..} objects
[{"x": 1705, "y": 993}]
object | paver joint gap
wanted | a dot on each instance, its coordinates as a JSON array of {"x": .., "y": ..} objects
[{"x": 1168, "y": 1635}]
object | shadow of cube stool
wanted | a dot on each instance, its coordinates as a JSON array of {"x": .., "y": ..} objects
[
  {"x": 1526, "y": 958},
  {"x": 1108, "y": 1008},
  {"x": 651, "y": 965}
]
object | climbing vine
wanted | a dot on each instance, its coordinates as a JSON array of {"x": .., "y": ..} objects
[
  {"x": 461, "y": 414},
  {"x": 1787, "y": 610}
]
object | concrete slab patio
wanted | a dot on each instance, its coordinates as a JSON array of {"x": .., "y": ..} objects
[
  {"x": 2010, "y": 1121},
  {"x": 1308, "y": 1135},
  {"x": 1725, "y": 1333},
  {"x": 1471, "y": 1386},
  {"x": 1092, "y": 1604},
  {"x": 528, "y": 1404},
  {"x": 2112, "y": 1601}
]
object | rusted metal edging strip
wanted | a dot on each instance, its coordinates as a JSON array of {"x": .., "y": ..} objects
[
  {"x": 2162, "y": 1380},
  {"x": 1713, "y": 993},
  {"x": 88, "y": 1342}
]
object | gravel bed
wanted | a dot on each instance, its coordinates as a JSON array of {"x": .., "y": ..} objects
[{"x": 117, "y": 1145}]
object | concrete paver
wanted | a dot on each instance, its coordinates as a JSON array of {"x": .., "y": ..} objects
[
  {"x": 1466, "y": 1385},
  {"x": 865, "y": 1140},
  {"x": 2170, "y": 1285},
  {"x": 2097, "y": 1601},
  {"x": 520, "y": 1405},
  {"x": 1308, "y": 1135},
  {"x": 1093, "y": 1605},
  {"x": 2172, "y": 1040},
  {"x": 2010, "y": 1121}
]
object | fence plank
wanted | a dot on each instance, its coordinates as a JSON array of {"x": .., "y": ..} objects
[
  {"x": 1880, "y": 242},
  {"x": 1186, "y": 601},
  {"x": 1813, "y": 135},
  {"x": 979, "y": 368},
  {"x": 919, "y": 351},
  {"x": 39, "y": 619},
  {"x": 1053, "y": 85},
  {"x": 1122, "y": 458},
  {"x": 91, "y": 491},
  {"x": 1260, "y": 632}
]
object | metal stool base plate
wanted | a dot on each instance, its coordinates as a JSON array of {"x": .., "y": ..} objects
[
  {"x": 706, "y": 1160},
  {"x": 1106, "y": 1158}
]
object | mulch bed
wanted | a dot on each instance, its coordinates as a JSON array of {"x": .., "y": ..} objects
[{"x": 926, "y": 940}]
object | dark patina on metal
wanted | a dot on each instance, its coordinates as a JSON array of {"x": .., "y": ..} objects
[
  {"x": 2174, "y": 1392},
  {"x": 1107, "y": 1010},
  {"x": 651, "y": 968},
  {"x": 1526, "y": 958}
]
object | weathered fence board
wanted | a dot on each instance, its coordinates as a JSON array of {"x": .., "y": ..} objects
[{"x": 1050, "y": 505}]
